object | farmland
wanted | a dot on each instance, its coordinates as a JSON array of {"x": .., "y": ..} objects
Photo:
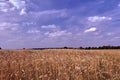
[{"x": 60, "y": 64}]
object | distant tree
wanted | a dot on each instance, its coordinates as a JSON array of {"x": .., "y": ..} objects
[
  {"x": 99, "y": 47},
  {"x": 93, "y": 47},
  {"x": 81, "y": 47},
  {"x": 24, "y": 48},
  {"x": 0, "y": 48},
  {"x": 102, "y": 47},
  {"x": 87, "y": 47},
  {"x": 65, "y": 47}
]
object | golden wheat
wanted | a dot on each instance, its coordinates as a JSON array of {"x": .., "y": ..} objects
[{"x": 60, "y": 64}]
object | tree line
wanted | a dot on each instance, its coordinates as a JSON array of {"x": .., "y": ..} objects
[{"x": 100, "y": 47}]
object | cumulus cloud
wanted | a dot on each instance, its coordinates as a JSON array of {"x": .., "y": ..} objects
[
  {"x": 33, "y": 31},
  {"x": 98, "y": 18},
  {"x": 92, "y": 29},
  {"x": 19, "y": 5},
  {"x": 4, "y": 6},
  {"x": 118, "y": 5},
  {"x": 110, "y": 33},
  {"x": 57, "y": 33},
  {"x": 43, "y": 22},
  {"x": 54, "y": 13},
  {"x": 10, "y": 26},
  {"x": 22, "y": 12},
  {"x": 117, "y": 37},
  {"x": 53, "y": 26},
  {"x": 11, "y": 5}
]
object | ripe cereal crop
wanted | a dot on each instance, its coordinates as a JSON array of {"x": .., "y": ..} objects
[{"x": 60, "y": 64}]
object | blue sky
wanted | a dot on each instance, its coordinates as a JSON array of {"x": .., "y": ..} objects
[{"x": 55, "y": 23}]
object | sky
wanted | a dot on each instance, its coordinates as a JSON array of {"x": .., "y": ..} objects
[{"x": 59, "y": 23}]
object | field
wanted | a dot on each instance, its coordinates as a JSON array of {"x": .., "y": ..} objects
[{"x": 60, "y": 64}]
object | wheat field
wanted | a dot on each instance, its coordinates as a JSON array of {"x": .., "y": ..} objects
[{"x": 60, "y": 64}]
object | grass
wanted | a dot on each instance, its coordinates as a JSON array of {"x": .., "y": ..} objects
[{"x": 59, "y": 64}]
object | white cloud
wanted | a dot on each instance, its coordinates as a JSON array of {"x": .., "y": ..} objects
[
  {"x": 19, "y": 4},
  {"x": 57, "y": 33},
  {"x": 98, "y": 18},
  {"x": 118, "y": 5},
  {"x": 28, "y": 23},
  {"x": 51, "y": 12},
  {"x": 90, "y": 30},
  {"x": 11, "y": 26},
  {"x": 7, "y": 24},
  {"x": 33, "y": 31},
  {"x": 22, "y": 12},
  {"x": 110, "y": 33},
  {"x": 53, "y": 26},
  {"x": 54, "y": 13},
  {"x": 117, "y": 37},
  {"x": 4, "y": 6},
  {"x": 12, "y": 5},
  {"x": 4, "y": 10}
]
